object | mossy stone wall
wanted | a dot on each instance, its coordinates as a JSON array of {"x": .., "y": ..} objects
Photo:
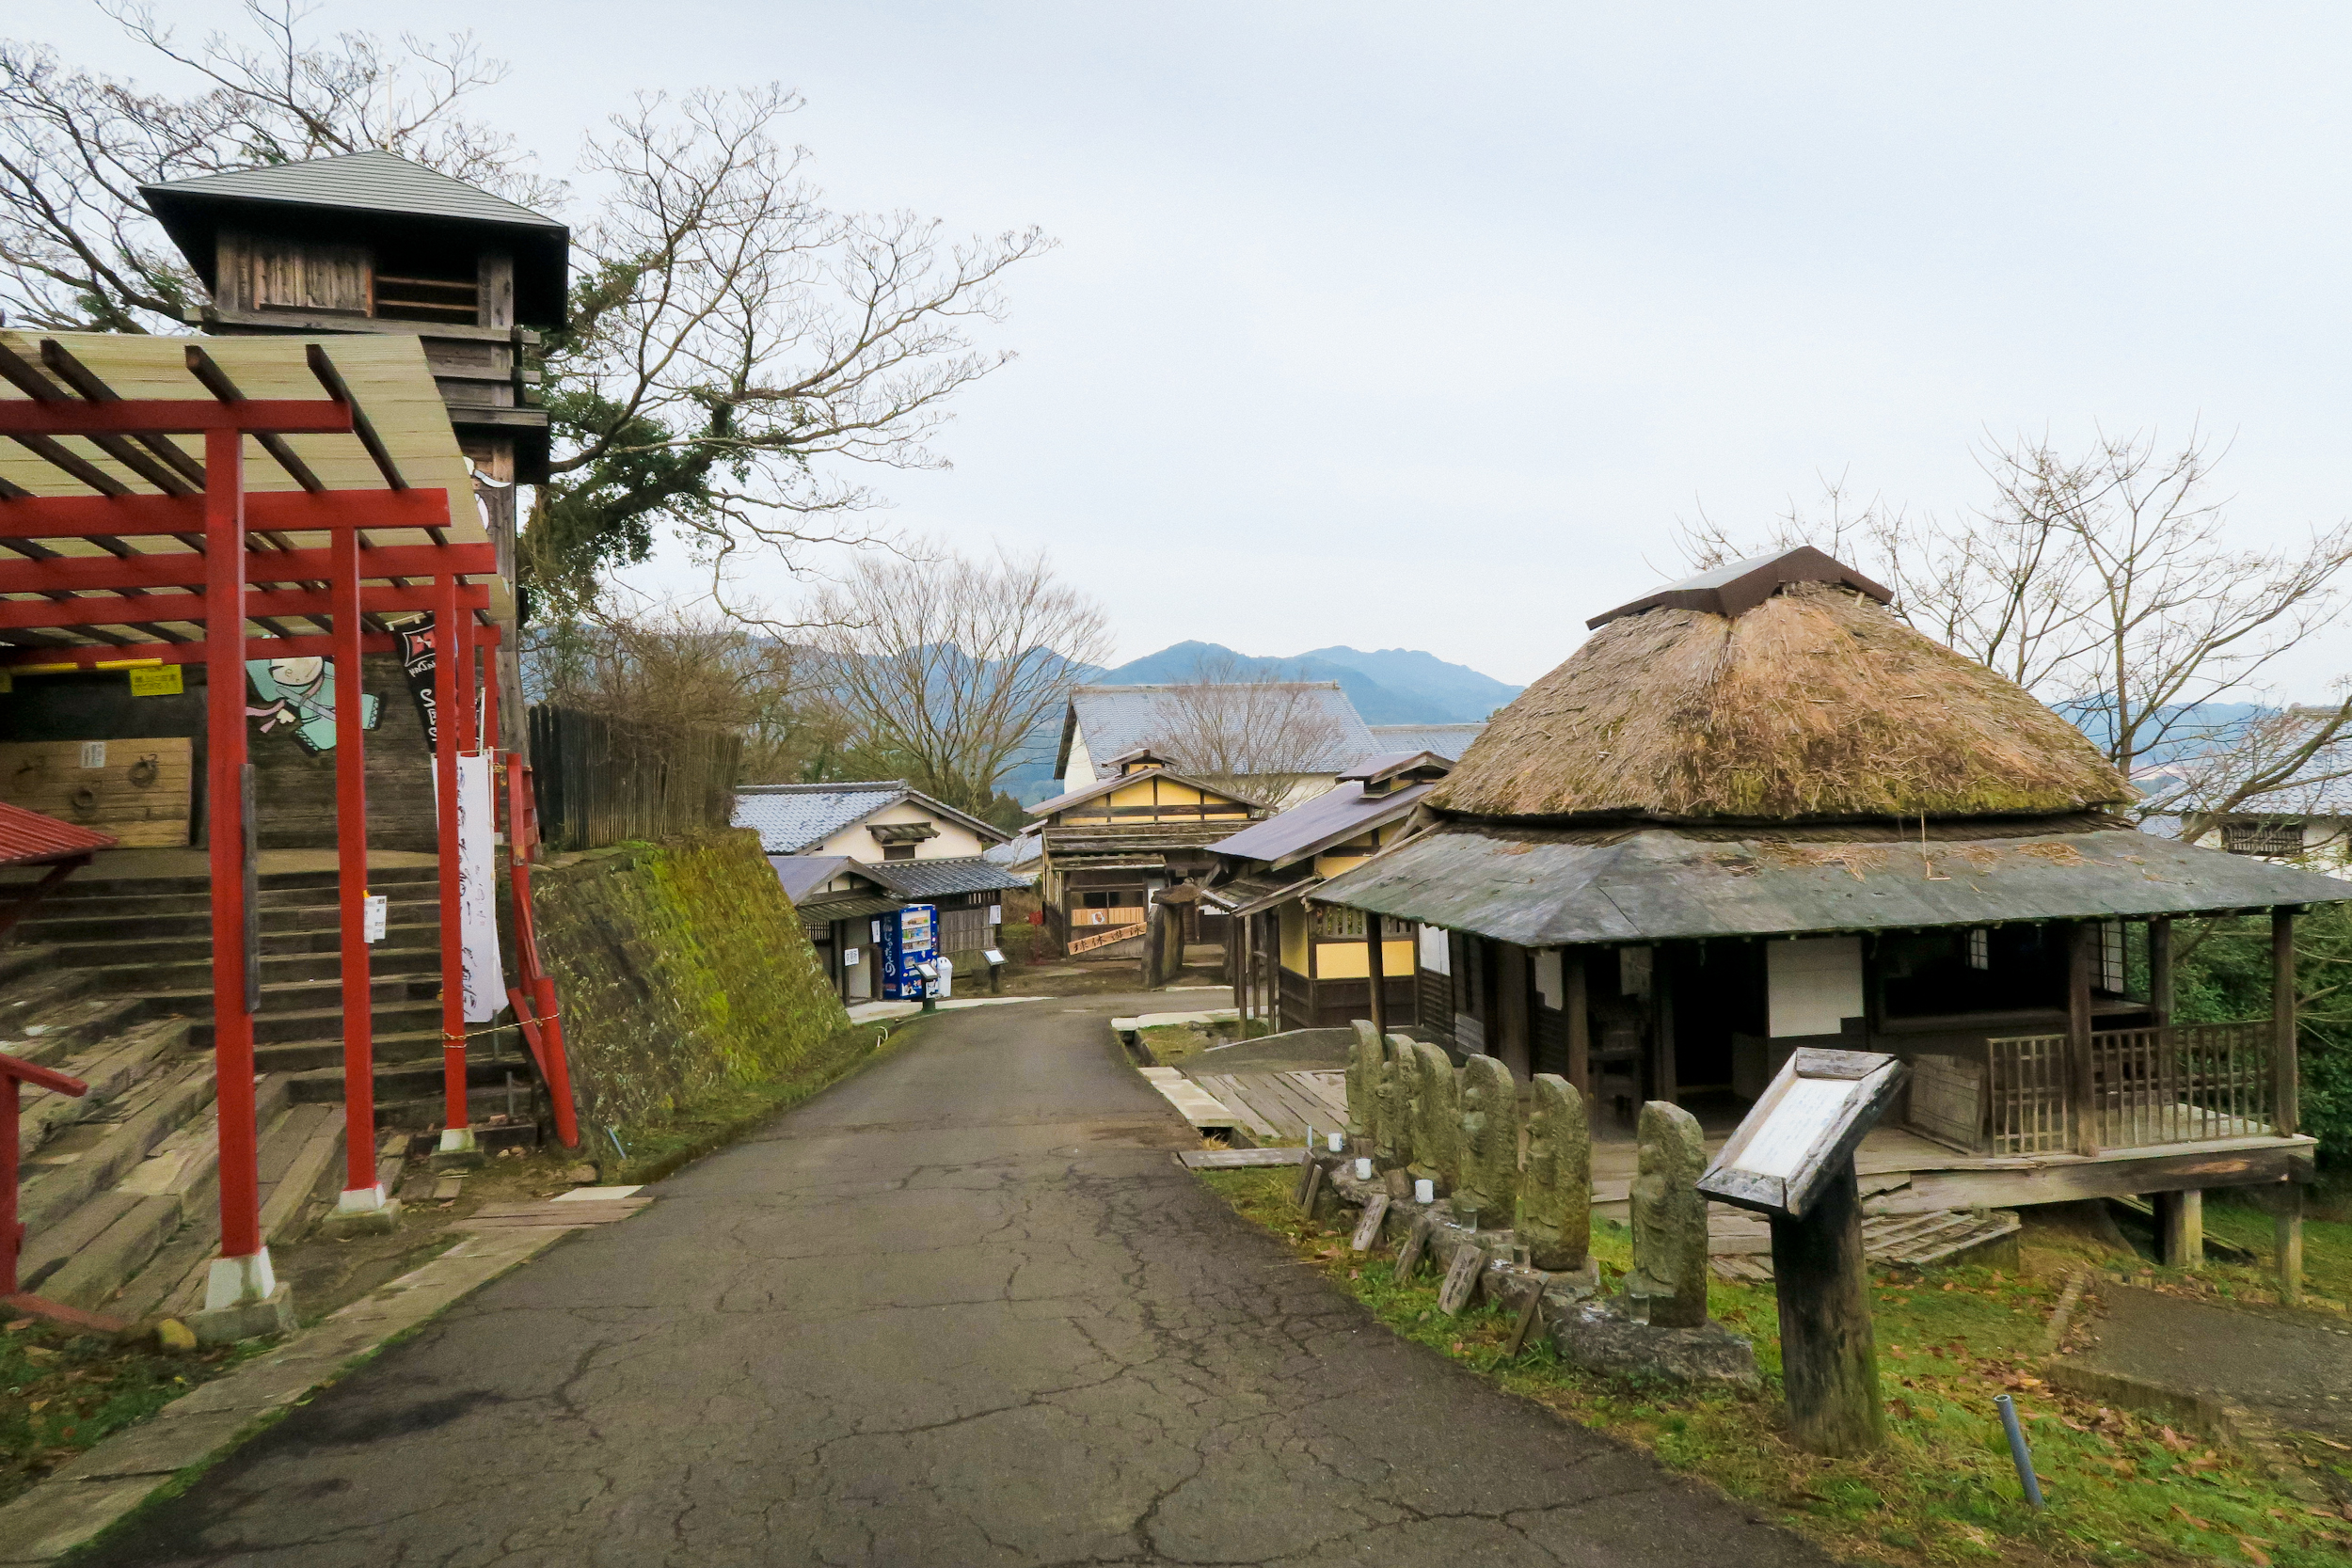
[{"x": 679, "y": 966}]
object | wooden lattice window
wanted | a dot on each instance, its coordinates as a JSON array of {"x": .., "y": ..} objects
[
  {"x": 1331, "y": 921},
  {"x": 2262, "y": 838}
]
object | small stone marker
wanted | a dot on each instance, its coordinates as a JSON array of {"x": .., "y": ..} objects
[
  {"x": 1528, "y": 1314},
  {"x": 447, "y": 1188},
  {"x": 1438, "y": 1113},
  {"x": 1490, "y": 1176},
  {"x": 1310, "y": 1188},
  {"x": 1460, "y": 1280},
  {"x": 1307, "y": 1171},
  {"x": 1555, "y": 1219},
  {"x": 1363, "y": 1089},
  {"x": 1668, "y": 1285},
  {"x": 1368, "y": 1229},
  {"x": 1416, "y": 1242}
]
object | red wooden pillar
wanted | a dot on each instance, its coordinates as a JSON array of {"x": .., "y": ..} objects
[
  {"x": 242, "y": 1272},
  {"x": 361, "y": 1192},
  {"x": 451, "y": 694}
]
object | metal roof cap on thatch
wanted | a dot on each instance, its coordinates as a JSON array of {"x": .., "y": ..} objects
[
  {"x": 1558, "y": 887},
  {"x": 1816, "y": 705},
  {"x": 1739, "y": 586}
]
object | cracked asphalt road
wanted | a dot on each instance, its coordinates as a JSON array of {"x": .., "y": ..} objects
[{"x": 962, "y": 1309}]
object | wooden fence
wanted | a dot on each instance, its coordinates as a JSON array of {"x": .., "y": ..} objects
[
  {"x": 2184, "y": 1084},
  {"x": 600, "y": 782}
]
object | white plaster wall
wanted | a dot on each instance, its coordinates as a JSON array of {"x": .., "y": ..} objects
[
  {"x": 953, "y": 842},
  {"x": 1081, "y": 772}
]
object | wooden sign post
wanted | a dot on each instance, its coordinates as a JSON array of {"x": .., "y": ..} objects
[{"x": 1793, "y": 1160}]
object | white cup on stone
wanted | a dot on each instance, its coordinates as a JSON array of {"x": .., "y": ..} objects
[
  {"x": 1363, "y": 1170},
  {"x": 1335, "y": 1141},
  {"x": 1424, "y": 1190}
]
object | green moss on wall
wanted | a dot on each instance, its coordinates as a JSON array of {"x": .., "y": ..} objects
[{"x": 680, "y": 966}]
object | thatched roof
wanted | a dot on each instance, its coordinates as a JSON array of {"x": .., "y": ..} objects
[{"x": 1818, "y": 704}]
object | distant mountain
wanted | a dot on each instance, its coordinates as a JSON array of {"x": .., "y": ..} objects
[
  {"x": 1391, "y": 687},
  {"x": 1456, "y": 693}
]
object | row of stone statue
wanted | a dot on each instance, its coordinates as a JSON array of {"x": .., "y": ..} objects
[{"x": 1409, "y": 1108}]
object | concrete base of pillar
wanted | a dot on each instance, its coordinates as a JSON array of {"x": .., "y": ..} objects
[
  {"x": 246, "y": 1320},
  {"x": 355, "y": 1215},
  {"x": 458, "y": 1151}
]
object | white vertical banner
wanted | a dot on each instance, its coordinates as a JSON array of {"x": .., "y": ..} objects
[{"x": 477, "y": 888}]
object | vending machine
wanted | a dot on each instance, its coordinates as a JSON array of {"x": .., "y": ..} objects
[{"x": 903, "y": 940}]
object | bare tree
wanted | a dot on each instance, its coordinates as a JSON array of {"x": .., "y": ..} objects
[
  {"x": 77, "y": 246},
  {"x": 1250, "y": 730},
  {"x": 668, "y": 672},
  {"x": 734, "y": 338},
  {"x": 737, "y": 349},
  {"x": 2107, "y": 585},
  {"x": 948, "y": 667}
]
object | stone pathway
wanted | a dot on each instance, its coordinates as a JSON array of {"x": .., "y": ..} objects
[{"x": 962, "y": 1309}]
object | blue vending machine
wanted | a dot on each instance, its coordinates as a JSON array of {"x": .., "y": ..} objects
[{"x": 905, "y": 939}]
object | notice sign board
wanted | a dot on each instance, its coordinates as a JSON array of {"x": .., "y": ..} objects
[{"x": 1804, "y": 1130}]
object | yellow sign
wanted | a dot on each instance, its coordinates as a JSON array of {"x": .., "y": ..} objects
[
  {"x": 8, "y": 682},
  {"x": 162, "y": 680}
]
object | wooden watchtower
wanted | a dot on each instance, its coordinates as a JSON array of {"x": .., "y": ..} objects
[{"x": 372, "y": 242}]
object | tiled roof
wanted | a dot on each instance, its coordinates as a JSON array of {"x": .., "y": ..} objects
[
  {"x": 800, "y": 873},
  {"x": 1332, "y": 817},
  {"x": 1447, "y": 740},
  {"x": 1116, "y": 718},
  {"x": 920, "y": 878},
  {"x": 377, "y": 181},
  {"x": 1023, "y": 850},
  {"x": 793, "y": 817}
]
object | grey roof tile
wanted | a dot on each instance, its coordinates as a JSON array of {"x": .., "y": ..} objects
[
  {"x": 377, "y": 181},
  {"x": 1447, "y": 740},
  {"x": 920, "y": 878},
  {"x": 1115, "y": 719}
]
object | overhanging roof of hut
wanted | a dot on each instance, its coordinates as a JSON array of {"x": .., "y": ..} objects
[
  {"x": 1815, "y": 704},
  {"x": 1539, "y": 887}
]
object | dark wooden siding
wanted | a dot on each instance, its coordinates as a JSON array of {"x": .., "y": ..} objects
[
  {"x": 1435, "y": 1004},
  {"x": 1551, "y": 1039}
]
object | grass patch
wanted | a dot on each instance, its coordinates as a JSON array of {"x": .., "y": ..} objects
[
  {"x": 1169, "y": 1043},
  {"x": 649, "y": 1150},
  {"x": 2122, "y": 1489},
  {"x": 62, "y": 1392}
]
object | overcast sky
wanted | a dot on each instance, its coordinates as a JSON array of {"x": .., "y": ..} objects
[{"x": 1420, "y": 326}]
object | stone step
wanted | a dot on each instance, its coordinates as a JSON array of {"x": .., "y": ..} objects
[
  {"x": 410, "y": 1093},
  {"x": 285, "y": 995},
  {"x": 23, "y": 959},
  {"x": 69, "y": 1028},
  {"x": 195, "y": 975},
  {"x": 91, "y": 955},
  {"x": 110, "y": 1239},
  {"x": 304, "y": 1056},
  {"x": 60, "y": 925},
  {"x": 121, "y": 905},
  {"x": 90, "y": 1156},
  {"x": 326, "y": 1024},
  {"x": 95, "y": 884},
  {"x": 35, "y": 992}
]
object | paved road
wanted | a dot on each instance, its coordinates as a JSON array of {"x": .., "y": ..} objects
[
  {"x": 962, "y": 1309},
  {"x": 2294, "y": 1367}
]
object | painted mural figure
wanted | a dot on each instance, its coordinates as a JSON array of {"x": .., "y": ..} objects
[{"x": 301, "y": 693}]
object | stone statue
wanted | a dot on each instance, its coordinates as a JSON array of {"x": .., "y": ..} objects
[
  {"x": 1438, "y": 1116},
  {"x": 1668, "y": 1285},
  {"x": 1363, "y": 1090},
  {"x": 1487, "y": 1185},
  {"x": 1556, "y": 1189},
  {"x": 1395, "y": 1133}
]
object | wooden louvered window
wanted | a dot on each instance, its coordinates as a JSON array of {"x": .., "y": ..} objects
[{"x": 446, "y": 301}]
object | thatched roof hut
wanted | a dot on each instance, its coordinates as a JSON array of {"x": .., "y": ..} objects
[{"x": 1814, "y": 703}]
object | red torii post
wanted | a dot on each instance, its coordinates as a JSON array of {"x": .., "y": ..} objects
[{"x": 242, "y": 1277}]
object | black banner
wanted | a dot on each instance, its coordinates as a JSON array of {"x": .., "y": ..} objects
[{"x": 419, "y": 661}]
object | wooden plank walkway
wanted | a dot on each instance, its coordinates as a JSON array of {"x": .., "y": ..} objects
[
  {"x": 1237, "y": 1158},
  {"x": 1193, "y": 1102},
  {"x": 1277, "y": 1108}
]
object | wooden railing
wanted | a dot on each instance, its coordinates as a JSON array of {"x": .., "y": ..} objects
[{"x": 2181, "y": 1084}]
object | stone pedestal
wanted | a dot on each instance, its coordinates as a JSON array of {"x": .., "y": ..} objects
[
  {"x": 380, "y": 1221},
  {"x": 245, "y": 1320},
  {"x": 1599, "y": 1336}
]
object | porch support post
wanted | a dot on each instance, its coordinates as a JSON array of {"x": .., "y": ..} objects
[
  {"x": 1372, "y": 963},
  {"x": 1829, "y": 1351},
  {"x": 240, "y": 1276},
  {"x": 2181, "y": 1228},
  {"x": 451, "y": 649},
  {"x": 2286, "y": 1086},
  {"x": 2081, "y": 953},
  {"x": 2160, "y": 971},
  {"x": 2286, "y": 1232},
  {"x": 362, "y": 1194},
  {"x": 1662, "y": 1004},
  {"x": 1580, "y": 1023}
]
